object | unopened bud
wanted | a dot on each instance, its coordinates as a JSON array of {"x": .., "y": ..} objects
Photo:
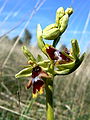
[
  {"x": 59, "y": 14},
  {"x": 63, "y": 23},
  {"x": 69, "y": 11},
  {"x": 51, "y": 32}
]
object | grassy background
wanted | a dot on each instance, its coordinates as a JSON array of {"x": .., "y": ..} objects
[{"x": 71, "y": 92}]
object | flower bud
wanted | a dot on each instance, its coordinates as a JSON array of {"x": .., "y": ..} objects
[
  {"x": 51, "y": 32},
  {"x": 63, "y": 23},
  {"x": 69, "y": 11},
  {"x": 59, "y": 14}
]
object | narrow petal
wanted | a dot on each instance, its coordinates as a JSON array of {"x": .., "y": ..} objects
[
  {"x": 29, "y": 84},
  {"x": 44, "y": 75}
]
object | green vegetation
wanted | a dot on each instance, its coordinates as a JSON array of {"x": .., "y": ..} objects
[{"x": 71, "y": 93}]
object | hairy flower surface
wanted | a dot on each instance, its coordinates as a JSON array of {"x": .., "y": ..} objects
[{"x": 37, "y": 81}]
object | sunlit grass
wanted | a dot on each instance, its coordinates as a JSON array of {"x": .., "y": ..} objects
[{"x": 71, "y": 93}]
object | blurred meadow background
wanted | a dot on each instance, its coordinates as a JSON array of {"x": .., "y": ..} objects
[{"x": 18, "y": 21}]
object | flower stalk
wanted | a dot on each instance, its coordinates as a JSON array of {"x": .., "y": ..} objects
[
  {"x": 49, "y": 94},
  {"x": 49, "y": 99}
]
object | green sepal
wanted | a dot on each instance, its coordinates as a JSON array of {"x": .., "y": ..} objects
[
  {"x": 68, "y": 71},
  {"x": 44, "y": 64},
  {"x": 75, "y": 48},
  {"x": 39, "y": 58},
  {"x": 66, "y": 66},
  {"x": 26, "y": 72},
  {"x": 39, "y": 37},
  {"x": 62, "y": 72},
  {"x": 28, "y": 54},
  {"x": 25, "y": 66},
  {"x": 77, "y": 63}
]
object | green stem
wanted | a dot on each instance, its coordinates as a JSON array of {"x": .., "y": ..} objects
[
  {"x": 49, "y": 93},
  {"x": 49, "y": 99}
]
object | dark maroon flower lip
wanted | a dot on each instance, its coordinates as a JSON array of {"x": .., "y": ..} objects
[
  {"x": 37, "y": 85},
  {"x": 37, "y": 80},
  {"x": 57, "y": 55}
]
